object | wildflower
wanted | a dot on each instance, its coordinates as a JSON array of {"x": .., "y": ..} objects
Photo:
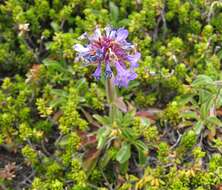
[
  {"x": 23, "y": 28},
  {"x": 110, "y": 48}
]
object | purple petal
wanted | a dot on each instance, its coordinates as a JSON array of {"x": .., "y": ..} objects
[
  {"x": 80, "y": 48},
  {"x": 121, "y": 34},
  {"x": 108, "y": 70},
  {"x": 97, "y": 73},
  {"x": 112, "y": 34},
  {"x": 108, "y": 29},
  {"x": 97, "y": 34},
  {"x": 119, "y": 68},
  {"x": 99, "y": 53},
  {"x": 83, "y": 36},
  {"x": 123, "y": 76},
  {"x": 132, "y": 75},
  {"x": 133, "y": 59},
  {"x": 126, "y": 45}
]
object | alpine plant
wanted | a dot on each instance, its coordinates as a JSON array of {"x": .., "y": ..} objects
[{"x": 109, "y": 49}]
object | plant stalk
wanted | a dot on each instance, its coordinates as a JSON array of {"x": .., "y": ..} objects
[{"x": 111, "y": 97}]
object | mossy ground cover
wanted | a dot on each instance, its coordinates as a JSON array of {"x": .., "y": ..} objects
[{"x": 55, "y": 132}]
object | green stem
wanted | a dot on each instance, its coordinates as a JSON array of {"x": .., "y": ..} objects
[{"x": 111, "y": 96}]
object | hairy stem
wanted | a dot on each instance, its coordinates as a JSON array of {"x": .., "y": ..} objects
[{"x": 111, "y": 96}]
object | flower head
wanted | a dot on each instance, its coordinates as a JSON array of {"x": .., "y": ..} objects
[{"x": 110, "y": 48}]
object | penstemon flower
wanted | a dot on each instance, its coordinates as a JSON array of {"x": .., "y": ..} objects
[{"x": 110, "y": 48}]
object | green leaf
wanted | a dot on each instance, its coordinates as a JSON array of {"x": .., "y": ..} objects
[
  {"x": 214, "y": 120},
  {"x": 198, "y": 127},
  {"x": 114, "y": 11},
  {"x": 204, "y": 95},
  {"x": 102, "y": 137},
  {"x": 102, "y": 120},
  {"x": 184, "y": 99},
  {"x": 219, "y": 54},
  {"x": 124, "y": 167},
  {"x": 57, "y": 102},
  {"x": 53, "y": 65},
  {"x": 59, "y": 92},
  {"x": 202, "y": 80},
  {"x": 55, "y": 26},
  {"x": 142, "y": 149},
  {"x": 124, "y": 153},
  {"x": 127, "y": 133},
  {"x": 105, "y": 159},
  {"x": 80, "y": 83},
  {"x": 189, "y": 115},
  {"x": 64, "y": 141},
  {"x": 205, "y": 107},
  {"x": 127, "y": 119}
]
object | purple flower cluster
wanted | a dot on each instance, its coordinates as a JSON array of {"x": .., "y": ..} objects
[{"x": 110, "y": 48}]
